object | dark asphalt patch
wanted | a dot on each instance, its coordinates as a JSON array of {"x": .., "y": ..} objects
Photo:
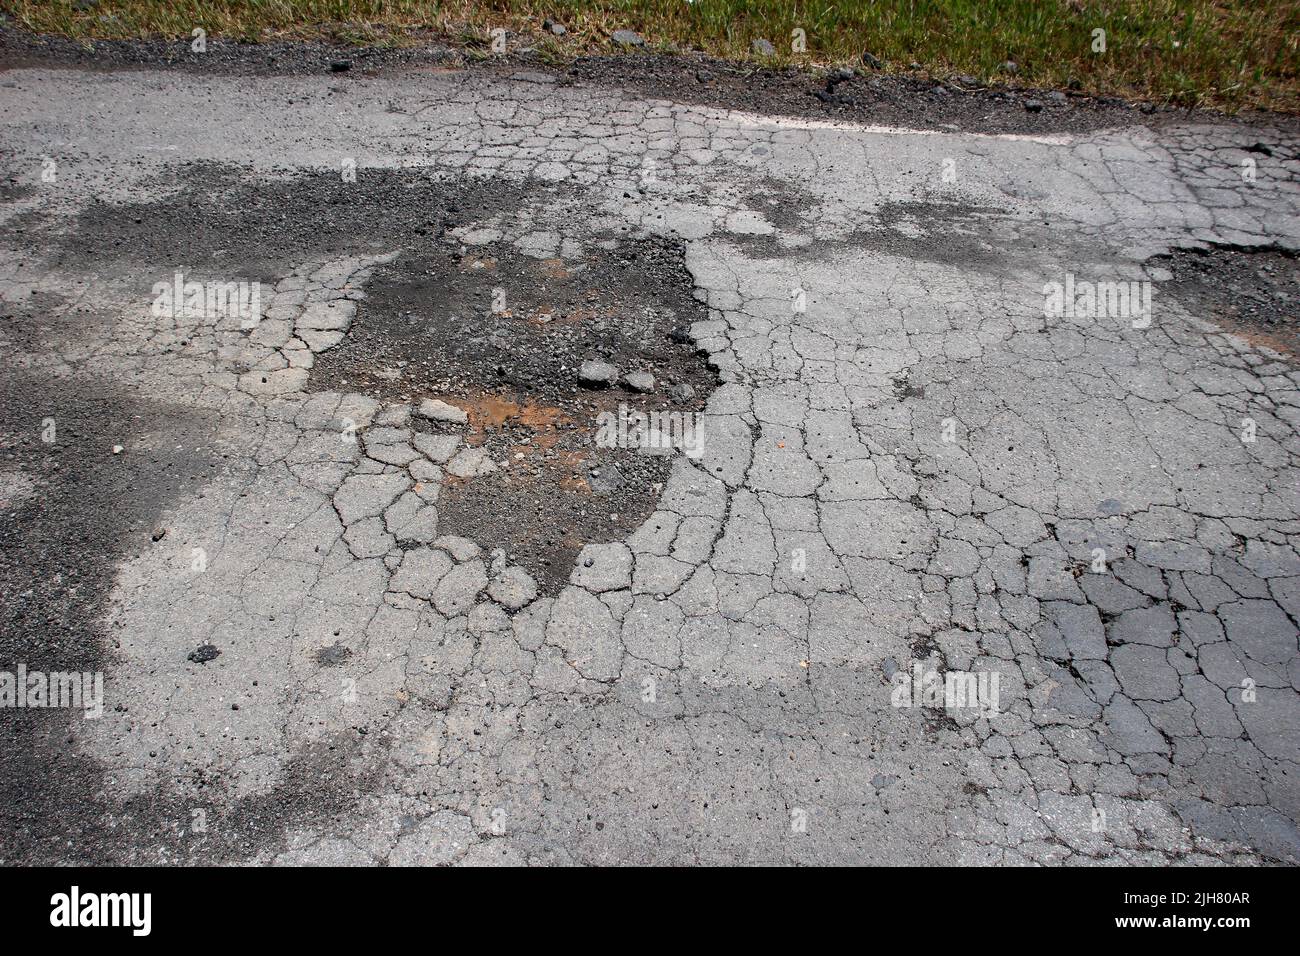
[
  {"x": 983, "y": 238},
  {"x": 223, "y": 220},
  {"x": 71, "y": 511},
  {"x": 74, "y": 511},
  {"x": 942, "y": 233},
  {"x": 1254, "y": 293},
  {"x": 12, "y": 188}
]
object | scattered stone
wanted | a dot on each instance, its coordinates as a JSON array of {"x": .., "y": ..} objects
[
  {"x": 627, "y": 38},
  {"x": 595, "y": 374},
  {"x": 1011, "y": 67},
  {"x": 557, "y": 29},
  {"x": 333, "y": 655},
  {"x": 680, "y": 392},
  {"x": 439, "y": 411},
  {"x": 763, "y": 48},
  {"x": 1056, "y": 96},
  {"x": 1034, "y": 106},
  {"x": 965, "y": 79},
  {"x": 204, "y": 653},
  {"x": 340, "y": 66},
  {"x": 873, "y": 61},
  {"x": 606, "y": 480},
  {"x": 640, "y": 381}
]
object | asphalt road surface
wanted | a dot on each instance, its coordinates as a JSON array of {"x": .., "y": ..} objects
[{"x": 963, "y": 407}]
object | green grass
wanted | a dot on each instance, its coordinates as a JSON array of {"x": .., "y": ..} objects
[{"x": 1225, "y": 54}]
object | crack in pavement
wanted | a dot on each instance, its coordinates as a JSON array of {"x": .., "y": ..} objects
[{"x": 906, "y": 466}]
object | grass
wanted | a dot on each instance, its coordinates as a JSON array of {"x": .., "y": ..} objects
[{"x": 1223, "y": 54}]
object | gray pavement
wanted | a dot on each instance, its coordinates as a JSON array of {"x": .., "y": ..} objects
[{"x": 907, "y": 469}]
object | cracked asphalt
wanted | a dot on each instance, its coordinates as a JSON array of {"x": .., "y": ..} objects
[{"x": 906, "y": 465}]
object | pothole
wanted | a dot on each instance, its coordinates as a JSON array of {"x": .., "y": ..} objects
[
  {"x": 1253, "y": 293},
  {"x": 502, "y": 334}
]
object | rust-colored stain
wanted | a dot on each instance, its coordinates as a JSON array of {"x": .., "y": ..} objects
[
  {"x": 548, "y": 315},
  {"x": 475, "y": 264},
  {"x": 1286, "y": 345},
  {"x": 553, "y": 269},
  {"x": 494, "y": 412},
  {"x": 572, "y": 462},
  {"x": 491, "y": 413}
]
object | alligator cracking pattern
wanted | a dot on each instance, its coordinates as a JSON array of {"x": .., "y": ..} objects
[{"x": 916, "y": 466}]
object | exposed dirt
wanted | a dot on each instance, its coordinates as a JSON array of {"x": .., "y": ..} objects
[
  {"x": 1254, "y": 293},
  {"x": 502, "y": 335}
]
